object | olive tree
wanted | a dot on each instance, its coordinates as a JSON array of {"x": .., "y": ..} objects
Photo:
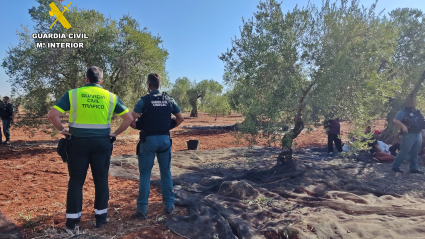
[
  {"x": 217, "y": 104},
  {"x": 291, "y": 69},
  {"x": 126, "y": 52},
  {"x": 179, "y": 93},
  {"x": 191, "y": 93},
  {"x": 405, "y": 72},
  {"x": 201, "y": 90}
]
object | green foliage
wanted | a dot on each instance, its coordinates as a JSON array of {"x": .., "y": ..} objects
[
  {"x": 179, "y": 93},
  {"x": 188, "y": 93},
  {"x": 358, "y": 141},
  {"x": 233, "y": 100},
  {"x": 126, "y": 52},
  {"x": 29, "y": 221},
  {"x": 292, "y": 69},
  {"x": 406, "y": 66},
  {"x": 200, "y": 91},
  {"x": 216, "y": 105}
]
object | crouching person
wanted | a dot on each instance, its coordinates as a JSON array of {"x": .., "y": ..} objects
[{"x": 379, "y": 149}]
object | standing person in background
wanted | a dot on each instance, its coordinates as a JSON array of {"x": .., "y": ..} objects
[
  {"x": 6, "y": 113},
  {"x": 333, "y": 129},
  {"x": 155, "y": 109},
  {"x": 91, "y": 108},
  {"x": 410, "y": 120}
]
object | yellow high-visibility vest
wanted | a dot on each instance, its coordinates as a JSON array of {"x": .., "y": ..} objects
[{"x": 91, "y": 107}]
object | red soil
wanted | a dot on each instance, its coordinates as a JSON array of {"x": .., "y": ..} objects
[{"x": 33, "y": 180}]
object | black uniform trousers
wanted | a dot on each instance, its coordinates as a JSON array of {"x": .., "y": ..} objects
[
  {"x": 338, "y": 143},
  {"x": 85, "y": 151}
]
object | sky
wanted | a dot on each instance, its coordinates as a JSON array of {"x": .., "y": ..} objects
[{"x": 194, "y": 32}]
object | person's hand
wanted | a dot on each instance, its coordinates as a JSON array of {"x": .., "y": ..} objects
[
  {"x": 133, "y": 125},
  {"x": 404, "y": 129},
  {"x": 112, "y": 135},
  {"x": 65, "y": 132}
]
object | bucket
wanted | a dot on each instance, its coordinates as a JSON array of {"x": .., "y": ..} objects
[{"x": 192, "y": 144}]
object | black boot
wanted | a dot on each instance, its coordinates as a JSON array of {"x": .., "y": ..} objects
[
  {"x": 101, "y": 222},
  {"x": 72, "y": 223}
]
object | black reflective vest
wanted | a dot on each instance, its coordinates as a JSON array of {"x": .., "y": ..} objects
[
  {"x": 413, "y": 120},
  {"x": 156, "y": 115},
  {"x": 6, "y": 110}
]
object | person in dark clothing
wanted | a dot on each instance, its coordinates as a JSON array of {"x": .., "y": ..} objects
[
  {"x": 394, "y": 149},
  {"x": 372, "y": 144},
  {"x": 6, "y": 113},
  {"x": 333, "y": 129},
  {"x": 410, "y": 120},
  {"x": 155, "y": 111},
  {"x": 91, "y": 142}
]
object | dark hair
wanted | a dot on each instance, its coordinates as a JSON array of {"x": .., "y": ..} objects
[
  {"x": 95, "y": 74},
  {"x": 7, "y": 97},
  {"x": 154, "y": 81}
]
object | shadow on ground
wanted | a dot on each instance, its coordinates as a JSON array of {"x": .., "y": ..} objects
[
  {"x": 326, "y": 197},
  {"x": 8, "y": 230}
]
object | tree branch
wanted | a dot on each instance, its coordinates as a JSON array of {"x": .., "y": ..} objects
[
  {"x": 301, "y": 102},
  {"x": 418, "y": 85}
]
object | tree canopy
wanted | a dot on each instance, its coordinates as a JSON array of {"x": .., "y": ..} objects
[
  {"x": 292, "y": 69},
  {"x": 125, "y": 51},
  {"x": 179, "y": 93},
  {"x": 188, "y": 93},
  {"x": 217, "y": 104},
  {"x": 405, "y": 67}
]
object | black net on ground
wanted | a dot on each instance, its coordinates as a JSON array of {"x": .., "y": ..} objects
[
  {"x": 8, "y": 230},
  {"x": 311, "y": 196}
]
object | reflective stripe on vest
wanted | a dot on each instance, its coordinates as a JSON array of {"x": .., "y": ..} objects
[{"x": 91, "y": 108}]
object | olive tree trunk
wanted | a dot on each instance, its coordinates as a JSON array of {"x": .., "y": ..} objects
[
  {"x": 390, "y": 134},
  {"x": 194, "y": 111},
  {"x": 285, "y": 157}
]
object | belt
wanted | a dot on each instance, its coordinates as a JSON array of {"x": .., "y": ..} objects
[{"x": 91, "y": 137}]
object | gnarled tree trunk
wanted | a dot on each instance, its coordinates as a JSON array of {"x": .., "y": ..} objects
[
  {"x": 193, "y": 101},
  {"x": 390, "y": 134},
  {"x": 284, "y": 160},
  {"x": 194, "y": 111}
]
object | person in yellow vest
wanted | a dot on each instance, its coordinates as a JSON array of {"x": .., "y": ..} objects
[{"x": 90, "y": 110}]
